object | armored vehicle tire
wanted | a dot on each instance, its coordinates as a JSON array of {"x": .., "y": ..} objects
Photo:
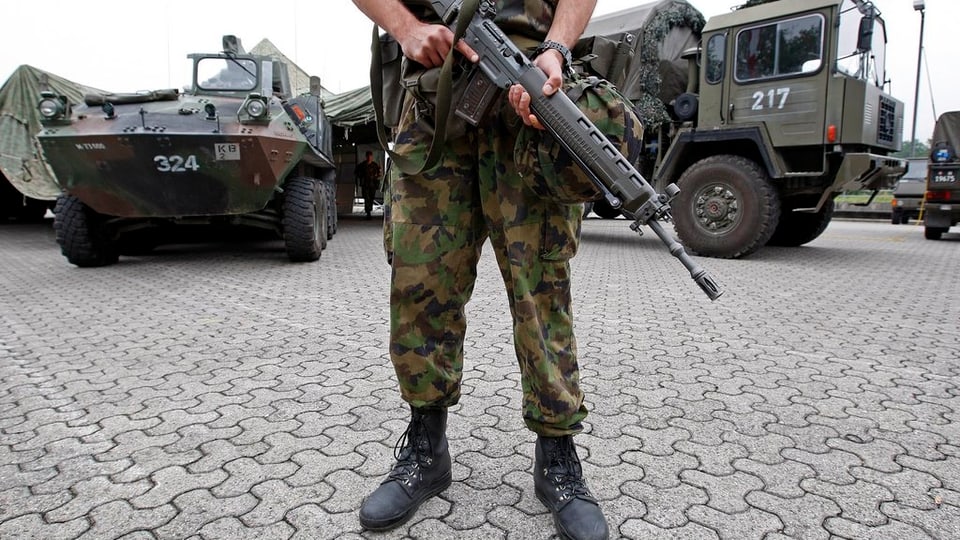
[
  {"x": 799, "y": 228},
  {"x": 330, "y": 195},
  {"x": 933, "y": 233},
  {"x": 80, "y": 231},
  {"x": 726, "y": 208},
  {"x": 304, "y": 219},
  {"x": 603, "y": 209}
]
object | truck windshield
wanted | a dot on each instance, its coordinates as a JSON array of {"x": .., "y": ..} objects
[{"x": 865, "y": 64}]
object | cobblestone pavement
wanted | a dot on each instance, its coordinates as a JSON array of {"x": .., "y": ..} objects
[{"x": 220, "y": 391}]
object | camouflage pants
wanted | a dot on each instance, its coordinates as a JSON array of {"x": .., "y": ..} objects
[{"x": 437, "y": 223}]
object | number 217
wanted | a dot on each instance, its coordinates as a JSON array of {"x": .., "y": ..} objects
[{"x": 775, "y": 99}]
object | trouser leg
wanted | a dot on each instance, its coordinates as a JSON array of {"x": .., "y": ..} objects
[
  {"x": 436, "y": 231},
  {"x": 534, "y": 240}
]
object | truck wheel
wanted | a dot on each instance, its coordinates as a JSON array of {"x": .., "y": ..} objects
[
  {"x": 82, "y": 235},
  {"x": 726, "y": 207},
  {"x": 799, "y": 228},
  {"x": 933, "y": 233},
  {"x": 304, "y": 219},
  {"x": 603, "y": 209}
]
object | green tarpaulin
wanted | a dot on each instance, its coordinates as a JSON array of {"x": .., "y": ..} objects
[{"x": 20, "y": 159}]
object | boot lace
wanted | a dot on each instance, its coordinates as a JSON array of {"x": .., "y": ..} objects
[
  {"x": 412, "y": 451},
  {"x": 564, "y": 471}
]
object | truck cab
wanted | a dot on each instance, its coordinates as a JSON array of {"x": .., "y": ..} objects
[{"x": 789, "y": 111}]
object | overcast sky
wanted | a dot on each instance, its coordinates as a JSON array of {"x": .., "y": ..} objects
[{"x": 130, "y": 45}]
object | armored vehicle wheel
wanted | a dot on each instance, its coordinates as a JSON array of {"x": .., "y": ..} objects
[
  {"x": 603, "y": 209},
  {"x": 83, "y": 238},
  {"x": 304, "y": 219},
  {"x": 726, "y": 207},
  {"x": 933, "y": 233},
  {"x": 798, "y": 228},
  {"x": 330, "y": 195}
]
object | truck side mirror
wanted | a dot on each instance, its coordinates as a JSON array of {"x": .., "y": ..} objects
[{"x": 865, "y": 36}]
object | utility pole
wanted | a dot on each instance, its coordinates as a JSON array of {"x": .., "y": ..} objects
[{"x": 918, "y": 5}]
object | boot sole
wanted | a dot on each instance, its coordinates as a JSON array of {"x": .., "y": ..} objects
[{"x": 386, "y": 525}]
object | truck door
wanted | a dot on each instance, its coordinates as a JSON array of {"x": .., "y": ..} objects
[{"x": 779, "y": 76}]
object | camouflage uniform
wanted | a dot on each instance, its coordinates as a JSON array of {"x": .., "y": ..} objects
[{"x": 438, "y": 221}]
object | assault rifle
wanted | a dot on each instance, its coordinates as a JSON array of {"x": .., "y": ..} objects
[{"x": 502, "y": 65}]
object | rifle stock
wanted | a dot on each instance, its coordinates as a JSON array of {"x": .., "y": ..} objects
[{"x": 504, "y": 65}]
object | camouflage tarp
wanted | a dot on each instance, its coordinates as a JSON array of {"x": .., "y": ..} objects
[
  {"x": 20, "y": 121},
  {"x": 649, "y": 69},
  {"x": 947, "y": 129},
  {"x": 350, "y": 109}
]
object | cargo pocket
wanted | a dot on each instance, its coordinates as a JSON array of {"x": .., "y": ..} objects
[{"x": 560, "y": 231}]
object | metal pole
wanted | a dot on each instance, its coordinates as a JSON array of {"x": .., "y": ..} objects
[{"x": 916, "y": 92}]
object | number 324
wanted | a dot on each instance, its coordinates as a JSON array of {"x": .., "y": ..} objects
[{"x": 176, "y": 163}]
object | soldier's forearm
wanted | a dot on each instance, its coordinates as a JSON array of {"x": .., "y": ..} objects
[
  {"x": 391, "y": 15},
  {"x": 570, "y": 20}
]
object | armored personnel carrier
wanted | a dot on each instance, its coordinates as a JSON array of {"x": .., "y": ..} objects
[{"x": 236, "y": 148}]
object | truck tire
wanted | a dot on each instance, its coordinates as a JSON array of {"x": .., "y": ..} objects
[
  {"x": 933, "y": 233},
  {"x": 304, "y": 219},
  {"x": 603, "y": 209},
  {"x": 799, "y": 228},
  {"x": 726, "y": 208},
  {"x": 82, "y": 235}
]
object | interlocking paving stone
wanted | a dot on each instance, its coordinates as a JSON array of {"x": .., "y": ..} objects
[{"x": 218, "y": 391}]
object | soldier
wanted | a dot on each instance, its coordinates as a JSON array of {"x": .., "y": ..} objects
[
  {"x": 368, "y": 174},
  {"x": 439, "y": 220}
]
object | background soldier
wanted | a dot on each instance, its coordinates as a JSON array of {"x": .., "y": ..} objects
[{"x": 369, "y": 175}]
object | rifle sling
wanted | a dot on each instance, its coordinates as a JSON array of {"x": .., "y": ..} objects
[{"x": 444, "y": 85}]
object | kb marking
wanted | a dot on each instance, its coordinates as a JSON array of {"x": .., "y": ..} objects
[{"x": 226, "y": 151}]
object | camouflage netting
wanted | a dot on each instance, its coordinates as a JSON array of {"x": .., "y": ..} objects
[
  {"x": 651, "y": 71},
  {"x": 20, "y": 121}
]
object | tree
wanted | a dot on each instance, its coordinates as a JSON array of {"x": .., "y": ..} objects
[{"x": 921, "y": 149}]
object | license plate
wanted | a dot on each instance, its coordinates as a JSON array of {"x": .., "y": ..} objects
[{"x": 945, "y": 177}]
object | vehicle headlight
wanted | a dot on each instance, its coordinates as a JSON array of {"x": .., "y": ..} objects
[
  {"x": 52, "y": 106},
  {"x": 256, "y": 108}
]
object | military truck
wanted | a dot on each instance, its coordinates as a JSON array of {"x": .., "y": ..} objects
[
  {"x": 235, "y": 148},
  {"x": 942, "y": 204},
  {"x": 783, "y": 108}
]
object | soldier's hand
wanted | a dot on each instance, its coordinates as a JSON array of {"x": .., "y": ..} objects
[
  {"x": 428, "y": 44},
  {"x": 551, "y": 62}
]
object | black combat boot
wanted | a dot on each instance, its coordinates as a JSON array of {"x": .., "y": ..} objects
[
  {"x": 558, "y": 483},
  {"x": 422, "y": 471}
]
